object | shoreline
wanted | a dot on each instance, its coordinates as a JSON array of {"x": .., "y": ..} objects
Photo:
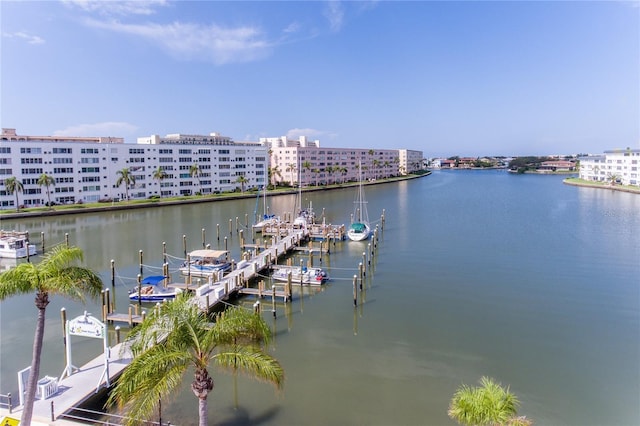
[
  {"x": 160, "y": 203},
  {"x": 585, "y": 184}
]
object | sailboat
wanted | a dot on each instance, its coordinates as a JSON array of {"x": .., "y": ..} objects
[
  {"x": 266, "y": 218},
  {"x": 359, "y": 230}
]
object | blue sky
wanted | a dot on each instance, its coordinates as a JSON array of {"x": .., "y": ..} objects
[{"x": 465, "y": 78}]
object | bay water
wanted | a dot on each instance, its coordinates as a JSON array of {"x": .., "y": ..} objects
[{"x": 476, "y": 273}]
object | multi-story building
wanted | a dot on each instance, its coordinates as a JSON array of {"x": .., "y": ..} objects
[
  {"x": 619, "y": 165},
  {"x": 87, "y": 169},
  {"x": 307, "y": 163}
]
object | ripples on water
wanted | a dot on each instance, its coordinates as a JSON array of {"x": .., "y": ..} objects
[{"x": 518, "y": 277}]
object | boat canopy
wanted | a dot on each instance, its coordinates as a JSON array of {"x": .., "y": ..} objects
[
  {"x": 358, "y": 227},
  {"x": 208, "y": 253},
  {"x": 153, "y": 280}
]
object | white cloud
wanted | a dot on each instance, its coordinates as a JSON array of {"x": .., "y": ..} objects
[
  {"x": 31, "y": 39},
  {"x": 122, "y": 8},
  {"x": 193, "y": 41},
  {"x": 293, "y": 27},
  {"x": 109, "y": 128},
  {"x": 335, "y": 15}
]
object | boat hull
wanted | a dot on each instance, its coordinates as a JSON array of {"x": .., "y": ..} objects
[
  {"x": 310, "y": 276},
  {"x": 358, "y": 232}
]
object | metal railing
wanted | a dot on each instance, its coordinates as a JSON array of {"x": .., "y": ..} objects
[
  {"x": 5, "y": 401},
  {"x": 101, "y": 418}
]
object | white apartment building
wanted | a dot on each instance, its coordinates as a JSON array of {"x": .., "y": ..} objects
[
  {"x": 306, "y": 161},
  {"x": 86, "y": 169},
  {"x": 619, "y": 164}
]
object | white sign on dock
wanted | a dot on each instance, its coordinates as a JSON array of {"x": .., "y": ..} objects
[{"x": 87, "y": 326}]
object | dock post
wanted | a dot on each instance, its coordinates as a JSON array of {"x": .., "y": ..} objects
[
  {"x": 226, "y": 244},
  {"x": 184, "y": 244},
  {"x": 113, "y": 273},
  {"x": 42, "y": 241},
  {"x": 66, "y": 239},
  {"x": 108, "y": 300},
  {"x": 364, "y": 262},
  {"x": 246, "y": 220},
  {"x": 28, "y": 255},
  {"x": 273, "y": 300},
  {"x": 230, "y": 226},
  {"x": 301, "y": 274},
  {"x": 218, "y": 231},
  {"x": 140, "y": 253},
  {"x": 117, "y": 334},
  {"x": 237, "y": 224},
  {"x": 289, "y": 291},
  {"x": 208, "y": 303},
  {"x": 311, "y": 256},
  {"x": 139, "y": 290},
  {"x": 241, "y": 232},
  {"x": 203, "y": 238},
  {"x": 256, "y": 307},
  {"x": 361, "y": 269},
  {"x": 63, "y": 314},
  {"x": 355, "y": 291},
  {"x": 130, "y": 316},
  {"x": 53, "y": 417},
  {"x": 164, "y": 252},
  {"x": 371, "y": 251}
]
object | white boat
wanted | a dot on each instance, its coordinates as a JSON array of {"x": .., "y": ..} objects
[
  {"x": 266, "y": 218},
  {"x": 359, "y": 229},
  {"x": 14, "y": 245},
  {"x": 206, "y": 263},
  {"x": 310, "y": 276},
  {"x": 152, "y": 289}
]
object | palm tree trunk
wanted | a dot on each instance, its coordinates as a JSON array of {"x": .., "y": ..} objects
[
  {"x": 27, "y": 410},
  {"x": 202, "y": 411}
]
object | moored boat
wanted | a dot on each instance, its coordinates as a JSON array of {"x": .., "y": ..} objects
[
  {"x": 206, "y": 263},
  {"x": 310, "y": 276},
  {"x": 359, "y": 229},
  {"x": 152, "y": 289},
  {"x": 14, "y": 245}
]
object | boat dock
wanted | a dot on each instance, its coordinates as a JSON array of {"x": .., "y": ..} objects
[
  {"x": 210, "y": 292},
  {"x": 75, "y": 389}
]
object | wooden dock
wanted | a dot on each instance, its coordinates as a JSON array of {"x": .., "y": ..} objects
[
  {"x": 208, "y": 295},
  {"x": 75, "y": 389}
]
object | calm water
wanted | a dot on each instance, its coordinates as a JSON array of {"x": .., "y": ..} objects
[{"x": 521, "y": 278}]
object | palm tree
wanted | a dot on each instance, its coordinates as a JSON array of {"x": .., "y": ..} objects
[
  {"x": 306, "y": 166},
  {"x": 613, "y": 178},
  {"x": 55, "y": 274},
  {"x": 125, "y": 176},
  {"x": 13, "y": 185},
  {"x": 195, "y": 171},
  {"x": 160, "y": 175},
  {"x": 46, "y": 180},
  {"x": 488, "y": 404},
  {"x": 191, "y": 343},
  {"x": 242, "y": 180},
  {"x": 316, "y": 171},
  {"x": 275, "y": 172},
  {"x": 376, "y": 164},
  {"x": 329, "y": 171},
  {"x": 291, "y": 168}
]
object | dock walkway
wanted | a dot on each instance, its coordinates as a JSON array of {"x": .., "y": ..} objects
[
  {"x": 75, "y": 389},
  {"x": 210, "y": 294}
]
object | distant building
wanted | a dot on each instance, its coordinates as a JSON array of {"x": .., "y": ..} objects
[
  {"x": 620, "y": 165},
  {"x": 556, "y": 166},
  {"x": 305, "y": 162},
  {"x": 85, "y": 169}
]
